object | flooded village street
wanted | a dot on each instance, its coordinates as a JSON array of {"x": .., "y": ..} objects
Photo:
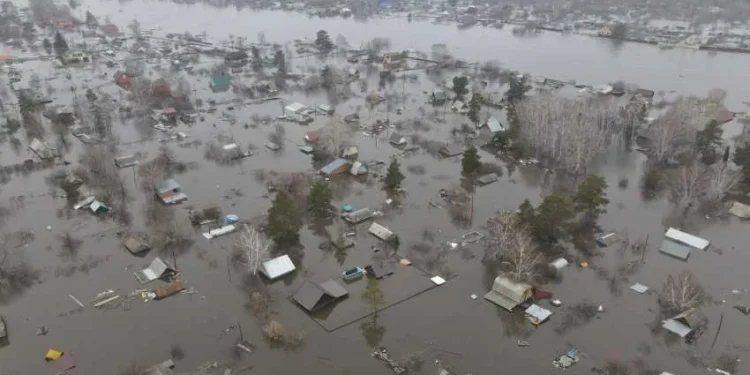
[{"x": 218, "y": 112}]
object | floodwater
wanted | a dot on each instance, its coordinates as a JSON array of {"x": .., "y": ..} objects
[{"x": 472, "y": 336}]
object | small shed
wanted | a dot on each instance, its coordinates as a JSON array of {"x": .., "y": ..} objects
[
  {"x": 296, "y": 107},
  {"x": 537, "y": 315},
  {"x": 380, "y": 232},
  {"x": 135, "y": 245},
  {"x": 277, "y": 267},
  {"x": 675, "y": 249},
  {"x": 488, "y": 179},
  {"x": 358, "y": 169},
  {"x": 170, "y": 192},
  {"x": 335, "y": 167},
  {"x": 272, "y": 146},
  {"x": 351, "y": 152},
  {"x": 508, "y": 294},
  {"x": 685, "y": 323},
  {"x": 381, "y": 266},
  {"x": 358, "y": 216},
  {"x": 314, "y": 296},
  {"x": 494, "y": 125},
  {"x": 312, "y": 136},
  {"x": 158, "y": 269},
  {"x": 452, "y": 150},
  {"x": 125, "y": 161},
  {"x": 42, "y": 150},
  {"x": 397, "y": 139}
]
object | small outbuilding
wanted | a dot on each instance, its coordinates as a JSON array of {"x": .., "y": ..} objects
[
  {"x": 508, "y": 294},
  {"x": 686, "y": 323},
  {"x": 170, "y": 192},
  {"x": 451, "y": 150},
  {"x": 135, "y": 245},
  {"x": 314, "y": 296},
  {"x": 335, "y": 167},
  {"x": 125, "y": 161},
  {"x": 358, "y": 216},
  {"x": 380, "y": 232},
  {"x": 158, "y": 269},
  {"x": 397, "y": 139},
  {"x": 277, "y": 267}
]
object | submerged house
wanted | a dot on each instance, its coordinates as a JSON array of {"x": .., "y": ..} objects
[
  {"x": 335, "y": 167},
  {"x": 158, "y": 269},
  {"x": 170, "y": 192},
  {"x": 314, "y": 296},
  {"x": 494, "y": 125},
  {"x": 220, "y": 82},
  {"x": 125, "y": 161},
  {"x": 397, "y": 139},
  {"x": 358, "y": 169},
  {"x": 508, "y": 294},
  {"x": 685, "y": 323},
  {"x": 358, "y": 216},
  {"x": 277, "y": 267},
  {"x": 452, "y": 150},
  {"x": 380, "y": 232},
  {"x": 42, "y": 150}
]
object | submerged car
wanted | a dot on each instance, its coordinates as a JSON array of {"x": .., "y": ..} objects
[{"x": 353, "y": 274}]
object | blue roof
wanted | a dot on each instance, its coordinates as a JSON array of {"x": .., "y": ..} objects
[
  {"x": 333, "y": 166},
  {"x": 220, "y": 81}
]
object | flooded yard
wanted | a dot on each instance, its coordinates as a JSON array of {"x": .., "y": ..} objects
[{"x": 78, "y": 254}]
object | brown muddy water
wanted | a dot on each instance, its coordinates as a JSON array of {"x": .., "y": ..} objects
[{"x": 471, "y": 336}]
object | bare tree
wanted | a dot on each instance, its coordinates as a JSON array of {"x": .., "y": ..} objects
[
  {"x": 722, "y": 180},
  {"x": 504, "y": 229},
  {"x": 568, "y": 133},
  {"x": 334, "y": 137},
  {"x": 522, "y": 259},
  {"x": 15, "y": 273},
  {"x": 673, "y": 129},
  {"x": 296, "y": 184},
  {"x": 689, "y": 183},
  {"x": 681, "y": 292},
  {"x": 253, "y": 247}
]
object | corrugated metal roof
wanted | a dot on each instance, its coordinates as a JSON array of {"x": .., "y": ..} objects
[
  {"x": 155, "y": 270},
  {"x": 167, "y": 186},
  {"x": 687, "y": 239},
  {"x": 380, "y": 231},
  {"x": 740, "y": 210},
  {"x": 357, "y": 216},
  {"x": 333, "y": 166},
  {"x": 537, "y": 314},
  {"x": 500, "y": 300},
  {"x": 676, "y": 327},
  {"x": 277, "y": 267},
  {"x": 494, "y": 125},
  {"x": 295, "y": 107},
  {"x": 674, "y": 249}
]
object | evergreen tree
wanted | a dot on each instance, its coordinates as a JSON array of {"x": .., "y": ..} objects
[
  {"x": 517, "y": 88},
  {"x": 320, "y": 198},
  {"x": 526, "y": 213},
  {"x": 470, "y": 163},
  {"x": 460, "y": 86},
  {"x": 257, "y": 60},
  {"x": 372, "y": 295},
  {"x": 394, "y": 176},
  {"x": 61, "y": 46},
  {"x": 591, "y": 196},
  {"x": 284, "y": 220},
  {"x": 707, "y": 140},
  {"x": 47, "y": 45},
  {"x": 280, "y": 62},
  {"x": 323, "y": 41},
  {"x": 91, "y": 20},
  {"x": 742, "y": 158},
  {"x": 551, "y": 216},
  {"x": 474, "y": 108}
]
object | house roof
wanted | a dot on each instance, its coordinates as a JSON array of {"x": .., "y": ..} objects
[
  {"x": 453, "y": 149},
  {"x": 508, "y": 294},
  {"x": 357, "y": 216},
  {"x": 135, "y": 245},
  {"x": 312, "y": 136},
  {"x": 236, "y": 55},
  {"x": 686, "y": 238},
  {"x": 167, "y": 186},
  {"x": 350, "y": 151},
  {"x": 494, "y": 125},
  {"x": 382, "y": 265},
  {"x": 155, "y": 270},
  {"x": 740, "y": 210},
  {"x": 313, "y": 296},
  {"x": 675, "y": 249},
  {"x": 358, "y": 168},
  {"x": 538, "y": 313},
  {"x": 277, "y": 267},
  {"x": 488, "y": 178},
  {"x": 333, "y": 166},
  {"x": 124, "y": 161},
  {"x": 295, "y": 107},
  {"x": 380, "y": 231},
  {"x": 397, "y": 139}
]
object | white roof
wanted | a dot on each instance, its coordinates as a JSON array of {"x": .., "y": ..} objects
[
  {"x": 277, "y": 267},
  {"x": 219, "y": 231},
  {"x": 538, "y": 313},
  {"x": 380, "y": 231},
  {"x": 295, "y": 107},
  {"x": 686, "y": 238}
]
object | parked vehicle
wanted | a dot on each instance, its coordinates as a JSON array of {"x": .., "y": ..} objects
[{"x": 353, "y": 274}]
